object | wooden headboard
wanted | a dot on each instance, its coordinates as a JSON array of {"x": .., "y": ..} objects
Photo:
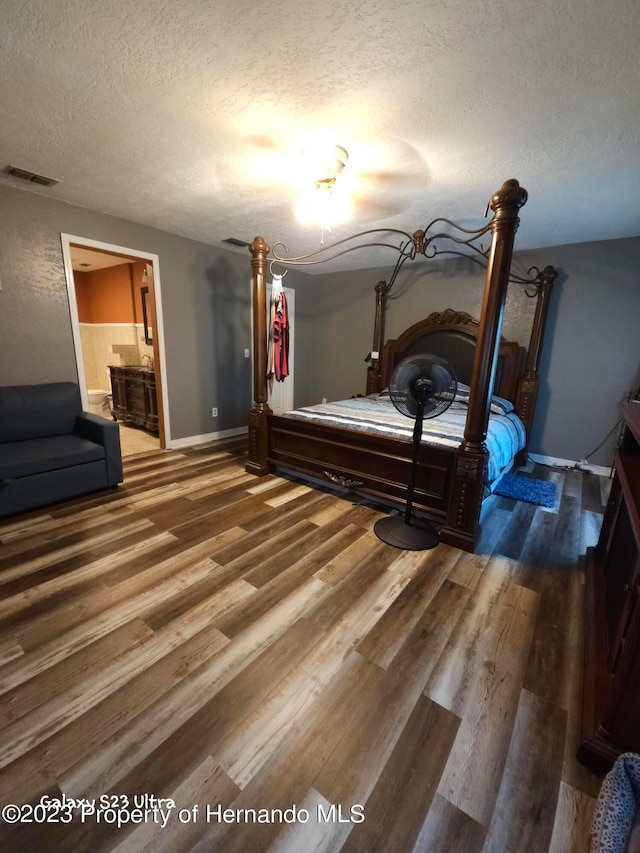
[{"x": 452, "y": 335}]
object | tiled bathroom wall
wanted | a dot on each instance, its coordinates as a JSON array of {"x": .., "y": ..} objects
[{"x": 105, "y": 344}]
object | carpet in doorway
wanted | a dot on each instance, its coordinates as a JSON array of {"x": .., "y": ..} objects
[{"x": 538, "y": 492}]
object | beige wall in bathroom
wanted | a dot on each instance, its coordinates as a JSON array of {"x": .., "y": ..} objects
[{"x": 105, "y": 344}]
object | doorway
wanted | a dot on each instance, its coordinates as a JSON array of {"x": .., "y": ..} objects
[
  {"x": 139, "y": 340},
  {"x": 280, "y": 394}
]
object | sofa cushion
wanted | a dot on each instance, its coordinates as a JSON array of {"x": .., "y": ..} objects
[
  {"x": 23, "y": 458},
  {"x": 36, "y": 411}
]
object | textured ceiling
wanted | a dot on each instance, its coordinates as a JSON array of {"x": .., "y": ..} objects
[{"x": 184, "y": 114}]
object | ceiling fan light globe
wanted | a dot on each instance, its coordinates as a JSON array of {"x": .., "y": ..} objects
[{"x": 322, "y": 205}]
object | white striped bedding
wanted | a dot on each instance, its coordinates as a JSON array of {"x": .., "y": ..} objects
[{"x": 377, "y": 414}]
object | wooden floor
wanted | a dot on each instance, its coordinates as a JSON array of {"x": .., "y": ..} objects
[
  {"x": 134, "y": 440},
  {"x": 232, "y": 643}
]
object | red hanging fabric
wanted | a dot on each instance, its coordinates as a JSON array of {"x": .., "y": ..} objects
[
  {"x": 278, "y": 344},
  {"x": 282, "y": 340}
]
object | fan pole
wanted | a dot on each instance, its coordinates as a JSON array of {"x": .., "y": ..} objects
[{"x": 421, "y": 397}]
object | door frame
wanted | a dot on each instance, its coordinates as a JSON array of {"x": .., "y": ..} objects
[{"x": 158, "y": 332}]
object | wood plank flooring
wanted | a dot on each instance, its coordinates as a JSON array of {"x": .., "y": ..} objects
[{"x": 200, "y": 640}]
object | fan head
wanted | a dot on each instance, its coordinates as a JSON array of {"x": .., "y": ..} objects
[{"x": 423, "y": 379}]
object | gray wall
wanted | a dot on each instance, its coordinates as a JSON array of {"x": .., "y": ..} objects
[
  {"x": 591, "y": 358},
  {"x": 205, "y": 298},
  {"x": 591, "y": 355}
]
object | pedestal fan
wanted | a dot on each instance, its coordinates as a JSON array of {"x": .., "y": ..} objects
[{"x": 422, "y": 386}]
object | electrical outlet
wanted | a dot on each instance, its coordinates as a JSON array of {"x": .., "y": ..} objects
[{"x": 214, "y": 413}]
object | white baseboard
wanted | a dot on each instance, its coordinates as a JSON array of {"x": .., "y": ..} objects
[
  {"x": 192, "y": 440},
  {"x": 555, "y": 462}
]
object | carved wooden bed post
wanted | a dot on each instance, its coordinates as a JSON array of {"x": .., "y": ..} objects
[
  {"x": 258, "y": 432},
  {"x": 528, "y": 383},
  {"x": 466, "y": 493},
  {"x": 373, "y": 371}
]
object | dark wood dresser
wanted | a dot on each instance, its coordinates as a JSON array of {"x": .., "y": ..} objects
[
  {"x": 134, "y": 397},
  {"x": 611, "y": 703}
]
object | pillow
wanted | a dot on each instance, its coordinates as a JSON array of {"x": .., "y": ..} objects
[
  {"x": 499, "y": 406},
  {"x": 614, "y": 823}
]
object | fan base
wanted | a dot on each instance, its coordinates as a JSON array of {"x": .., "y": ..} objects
[{"x": 419, "y": 535}]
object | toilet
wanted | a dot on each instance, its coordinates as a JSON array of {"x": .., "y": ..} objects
[{"x": 98, "y": 402}]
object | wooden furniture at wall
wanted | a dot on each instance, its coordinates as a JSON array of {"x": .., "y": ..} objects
[
  {"x": 611, "y": 702},
  {"x": 134, "y": 397}
]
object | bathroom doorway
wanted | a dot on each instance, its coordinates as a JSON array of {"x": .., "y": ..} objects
[{"x": 116, "y": 318}]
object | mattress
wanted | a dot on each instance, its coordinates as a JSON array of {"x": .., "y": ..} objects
[{"x": 376, "y": 414}]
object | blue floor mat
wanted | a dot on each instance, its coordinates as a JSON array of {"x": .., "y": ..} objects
[{"x": 538, "y": 492}]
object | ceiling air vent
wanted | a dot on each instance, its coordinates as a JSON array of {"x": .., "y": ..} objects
[
  {"x": 32, "y": 177},
  {"x": 233, "y": 241}
]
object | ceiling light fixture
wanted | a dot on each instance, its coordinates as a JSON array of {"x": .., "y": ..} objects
[
  {"x": 322, "y": 163},
  {"x": 321, "y": 201}
]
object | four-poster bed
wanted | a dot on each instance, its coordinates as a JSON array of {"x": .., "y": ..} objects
[{"x": 450, "y": 480}]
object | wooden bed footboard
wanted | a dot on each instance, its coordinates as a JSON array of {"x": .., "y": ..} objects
[
  {"x": 373, "y": 465},
  {"x": 448, "y": 482}
]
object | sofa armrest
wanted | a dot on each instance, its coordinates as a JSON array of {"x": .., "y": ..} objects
[{"x": 107, "y": 433}]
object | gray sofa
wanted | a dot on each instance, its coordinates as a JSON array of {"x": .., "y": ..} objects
[{"x": 50, "y": 450}]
